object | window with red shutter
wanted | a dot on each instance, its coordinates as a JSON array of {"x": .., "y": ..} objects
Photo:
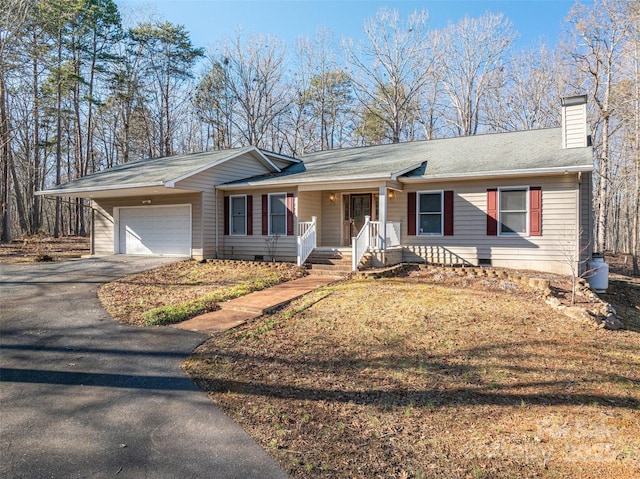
[
  {"x": 448, "y": 213},
  {"x": 535, "y": 211},
  {"x": 411, "y": 214},
  {"x": 492, "y": 212}
]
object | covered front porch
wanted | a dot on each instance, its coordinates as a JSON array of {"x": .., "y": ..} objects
[{"x": 353, "y": 219}]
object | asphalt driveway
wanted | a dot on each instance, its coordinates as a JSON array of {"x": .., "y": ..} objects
[{"x": 82, "y": 396}]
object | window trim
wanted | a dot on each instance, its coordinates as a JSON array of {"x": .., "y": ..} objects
[
  {"x": 527, "y": 211},
  {"x": 418, "y": 213},
  {"x": 269, "y": 216},
  {"x": 231, "y": 233}
]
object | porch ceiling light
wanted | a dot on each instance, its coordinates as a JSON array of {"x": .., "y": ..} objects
[
  {"x": 146, "y": 202},
  {"x": 391, "y": 194},
  {"x": 332, "y": 197}
]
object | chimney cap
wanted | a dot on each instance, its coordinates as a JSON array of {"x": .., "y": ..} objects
[{"x": 574, "y": 100}]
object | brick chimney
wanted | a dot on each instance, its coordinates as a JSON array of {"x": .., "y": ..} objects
[{"x": 574, "y": 122}]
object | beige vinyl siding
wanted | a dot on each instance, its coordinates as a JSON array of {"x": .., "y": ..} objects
[
  {"x": 331, "y": 220},
  {"x": 249, "y": 246},
  {"x": 236, "y": 169},
  {"x": 470, "y": 242},
  {"x": 310, "y": 204},
  {"x": 104, "y": 221},
  {"x": 574, "y": 126}
]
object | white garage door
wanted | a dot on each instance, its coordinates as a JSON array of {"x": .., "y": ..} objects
[{"x": 156, "y": 230}]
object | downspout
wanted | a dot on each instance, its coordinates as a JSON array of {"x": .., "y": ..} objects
[
  {"x": 216, "y": 228},
  {"x": 202, "y": 230},
  {"x": 578, "y": 224},
  {"x": 92, "y": 251}
]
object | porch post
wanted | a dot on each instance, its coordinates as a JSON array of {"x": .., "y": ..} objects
[
  {"x": 382, "y": 217},
  {"x": 314, "y": 220}
]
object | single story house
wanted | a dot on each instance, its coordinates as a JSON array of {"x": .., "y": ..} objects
[{"x": 519, "y": 200}]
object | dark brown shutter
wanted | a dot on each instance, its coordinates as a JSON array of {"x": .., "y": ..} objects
[
  {"x": 289, "y": 214},
  {"x": 249, "y": 215},
  {"x": 535, "y": 211},
  {"x": 265, "y": 215},
  {"x": 492, "y": 212},
  {"x": 411, "y": 214},
  {"x": 226, "y": 215},
  {"x": 448, "y": 213}
]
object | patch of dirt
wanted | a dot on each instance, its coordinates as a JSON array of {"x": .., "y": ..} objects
[
  {"x": 44, "y": 248},
  {"x": 430, "y": 377}
]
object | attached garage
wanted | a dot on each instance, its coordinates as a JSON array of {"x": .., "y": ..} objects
[{"x": 154, "y": 230}]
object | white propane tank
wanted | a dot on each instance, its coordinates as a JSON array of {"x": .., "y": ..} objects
[{"x": 598, "y": 274}]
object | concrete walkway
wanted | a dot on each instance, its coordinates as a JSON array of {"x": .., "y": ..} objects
[{"x": 245, "y": 308}]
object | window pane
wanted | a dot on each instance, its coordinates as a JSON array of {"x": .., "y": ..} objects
[
  {"x": 431, "y": 224},
  {"x": 278, "y": 225},
  {"x": 237, "y": 206},
  {"x": 513, "y": 223},
  {"x": 238, "y": 225},
  {"x": 430, "y": 203},
  {"x": 278, "y": 204},
  {"x": 513, "y": 200}
]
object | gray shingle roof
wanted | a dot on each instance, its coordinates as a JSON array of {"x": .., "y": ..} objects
[
  {"x": 147, "y": 172},
  {"x": 444, "y": 158}
]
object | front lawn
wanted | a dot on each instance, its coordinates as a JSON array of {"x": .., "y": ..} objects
[
  {"x": 412, "y": 378},
  {"x": 184, "y": 289}
]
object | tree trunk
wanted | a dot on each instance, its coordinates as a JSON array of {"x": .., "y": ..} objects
[
  {"x": 4, "y": 152},
  {"x": 58, "y": 212}
]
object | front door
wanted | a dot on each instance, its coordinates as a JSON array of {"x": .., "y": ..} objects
[{"x": 356, "y": 208}]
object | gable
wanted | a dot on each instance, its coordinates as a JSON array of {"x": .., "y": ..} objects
[{"x": 236, "y": 168}]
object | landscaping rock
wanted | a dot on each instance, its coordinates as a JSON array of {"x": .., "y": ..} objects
[{"x": 613, "y": 323}]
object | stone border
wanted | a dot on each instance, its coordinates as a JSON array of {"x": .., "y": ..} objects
[{"x": 599, "y": 313}]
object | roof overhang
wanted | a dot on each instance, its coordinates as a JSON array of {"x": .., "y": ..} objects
[
  {"x": 499, "y": 174},
  {"x": 303, "y": 184},
  {"x": 116, "y": 191}
]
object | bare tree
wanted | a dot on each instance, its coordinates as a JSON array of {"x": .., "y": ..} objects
[
  {"x": 598, "y": 31},
  {"x": 392, "y": 67},
  {"x": 475, "y": 55},
  {"x": 13, "y": 14},
  {"x": 255, "y": 72},
  {"x": 532, "y": 81}
]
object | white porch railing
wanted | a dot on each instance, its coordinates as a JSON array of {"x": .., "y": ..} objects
[
  {"x": 306, "y": 239},
  {"x": 370, "y": 237},
  {"x": 360, "y": 244},
  {"x": 393, "y": 234}
]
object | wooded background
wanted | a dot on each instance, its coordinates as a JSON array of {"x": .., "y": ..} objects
[{"x": 83, "y": 89}]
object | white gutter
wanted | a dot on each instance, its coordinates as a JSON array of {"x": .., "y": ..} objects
[
  {"x": 90, "y": 189},
  {"x": 499, "y": 174},
  {"x": 294, "y": 182}
]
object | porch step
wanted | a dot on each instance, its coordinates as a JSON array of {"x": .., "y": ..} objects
[{"x": 329, "y": 262}]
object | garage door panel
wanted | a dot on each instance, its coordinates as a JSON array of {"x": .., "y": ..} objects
[{"x": 156, "y": 230}]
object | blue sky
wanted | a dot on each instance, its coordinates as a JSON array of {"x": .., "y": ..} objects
[{"x": 210, "y": 21}]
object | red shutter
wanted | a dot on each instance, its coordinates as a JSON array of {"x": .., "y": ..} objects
[
  {"x": 492, "y": 212},
  {"x": 448, "y": 213},
  {"x": 411, "y": 214},
  {"x": 265, "y": 215},
  {"x": 289, "y": 214},
  {"x": 226, "y": 215},
  {"x": 535, "y": 211},
  {"x": 249, "y": 215}
]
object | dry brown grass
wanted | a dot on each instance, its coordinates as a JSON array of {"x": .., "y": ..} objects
[
  {"x": 408, "y": 378},
  {"x": 127, "y": 299}
]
